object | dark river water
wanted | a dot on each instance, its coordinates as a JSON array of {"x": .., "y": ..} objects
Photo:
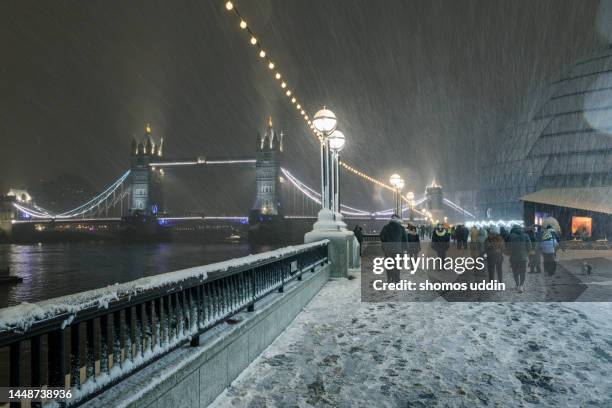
[{"x": 51, "y": 270}]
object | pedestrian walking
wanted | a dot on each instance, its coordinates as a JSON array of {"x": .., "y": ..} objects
[
  {"x": 518, "y": 247},
  {"x": 549, "y": 246},
  {"x": 474, "y": 242},
  {"x": 461, "y": 233},
  {"x": 358, "y": 231},
  {"x": 535, "y": 255},
  {"x": 440, "y": 241},
  {"x": 394, "y": 241},
  {"x": 414, "y": 243},
  {"x": 494, "y": 247}
]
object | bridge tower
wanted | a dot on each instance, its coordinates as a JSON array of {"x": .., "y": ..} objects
[
  {"x": 7, "y": 215},
  {"x": 435, "y": 200},
  {"x": 146, "y": 196},
  {"x": 266, "y": 216}
]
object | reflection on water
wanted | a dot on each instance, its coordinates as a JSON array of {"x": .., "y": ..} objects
[{"x": 51, "y": 270}]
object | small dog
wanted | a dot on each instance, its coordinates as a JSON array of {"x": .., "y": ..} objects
[{"x": 586, "y": 268}]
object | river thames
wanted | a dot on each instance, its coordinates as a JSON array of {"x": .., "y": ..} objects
[{"x": 52, "y": 270}]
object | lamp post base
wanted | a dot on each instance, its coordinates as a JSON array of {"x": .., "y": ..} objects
[{"x": 342, "y": 252}]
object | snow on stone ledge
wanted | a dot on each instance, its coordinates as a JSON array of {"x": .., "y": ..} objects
[{"x": 24, "y": 315}]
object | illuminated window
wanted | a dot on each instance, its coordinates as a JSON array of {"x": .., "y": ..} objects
[{"x": 582, "y": 227}]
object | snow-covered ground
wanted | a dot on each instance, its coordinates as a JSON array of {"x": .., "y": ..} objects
[{"x": 345, "y": 353}]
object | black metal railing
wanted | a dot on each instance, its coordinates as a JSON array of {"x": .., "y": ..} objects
[
  {"x": 371, "y": 238},
  {"x": 91, "y": 348}
]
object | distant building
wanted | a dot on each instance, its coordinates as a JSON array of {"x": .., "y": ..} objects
[{"x": 558, "y": 152}]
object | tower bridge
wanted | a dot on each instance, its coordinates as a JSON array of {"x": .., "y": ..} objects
[{"x": 138, "y": 195}]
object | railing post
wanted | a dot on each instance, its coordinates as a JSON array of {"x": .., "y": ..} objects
[
  {"x": 15, "y": 368},
  {"x": 117, "y": 346},
  {"x": 159, "y": 322},
  {"x": 150, "y": 328},
  {"x": 251, "y": 307},
  {"x": 56, "y": 342},
  {"x": 104, "y": 345},
  {"x": 194, "y": 309},
  {"x": 91, "y": 350},
  {"x": 36, "y": 379},
  {"x": 75, "y": 356},
  {"x": 282, "y": 278}
]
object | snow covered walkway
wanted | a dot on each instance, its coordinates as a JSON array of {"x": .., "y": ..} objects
[{"x": 344, "y": 353}]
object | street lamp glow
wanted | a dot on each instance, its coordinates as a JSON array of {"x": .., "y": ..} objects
[
  {"x": 410, "y": 196},
  {"x": 337, "y": 140},
  {"x": 325, "y": 121},
  {"x": 394, "y": 180}
]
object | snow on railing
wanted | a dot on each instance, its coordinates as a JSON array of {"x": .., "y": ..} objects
[{"x": 109, "y": 333}]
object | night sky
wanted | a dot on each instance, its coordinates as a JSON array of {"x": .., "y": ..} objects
[{"x": 419, "y": 87}]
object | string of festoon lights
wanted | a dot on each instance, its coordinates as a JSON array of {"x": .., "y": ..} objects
[{"x": 289, "y": 92}]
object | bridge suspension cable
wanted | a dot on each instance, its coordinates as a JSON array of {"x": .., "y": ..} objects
[
  {"x": 89, "y": 205},
  {"x": 345, "y": 209},
  {"x": 37, "y": 212}
]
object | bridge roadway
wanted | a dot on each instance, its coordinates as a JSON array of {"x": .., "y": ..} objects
[{"x": 343, "y": 352}]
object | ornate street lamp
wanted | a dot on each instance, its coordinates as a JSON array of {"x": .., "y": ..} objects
[
  {"x": 336, "y": 143},
  {"x": 329, "y": 224},
  {"x": 325, "y": 123},
  {"x": 410, "y": 197},
  {"x": 396, "y": 181}
]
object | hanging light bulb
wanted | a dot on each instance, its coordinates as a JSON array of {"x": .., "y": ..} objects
[
  {"x": 253, "y": 40},
  {"x": 283, "y": 85},
  {"x": 278, "y": 75},
  {"x": 299, "y": 106},
  {"x": 288, "y": 92},
  {"x": 271, "y": 65},
  {"x": 293, "y": 100},
  {"x": 229, "y": 5},
  {"x": 243, "y": 24},
  {"x": 262, "y": 53}
]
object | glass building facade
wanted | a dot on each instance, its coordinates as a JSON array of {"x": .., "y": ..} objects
[{"x": 562, "y": 139}]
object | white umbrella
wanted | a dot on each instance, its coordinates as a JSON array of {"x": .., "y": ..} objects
[{"x": 552, "y": 222}]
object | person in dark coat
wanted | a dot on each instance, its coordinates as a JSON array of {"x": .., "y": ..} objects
[
  {"x": 518, "y": 246},
  {"x": 394, "y": 242},
  {"x": 414, "y": 243},
  {"x": 358, "y": 231},
  {"x": 535, "y": 257},
  {"x": 494, "y": 247},
  {"x": 461, "y": 234},
  {"x": 440, "y": 241}
]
